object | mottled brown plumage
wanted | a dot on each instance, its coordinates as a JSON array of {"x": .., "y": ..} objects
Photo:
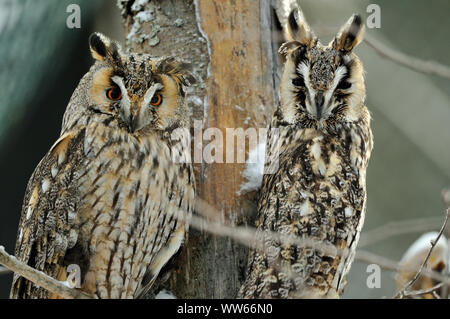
[
  {"x": 323, "y": 146},
  {"x": 111, "y": 195}
]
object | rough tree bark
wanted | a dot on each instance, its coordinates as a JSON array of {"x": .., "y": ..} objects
[{"x": 233, "y": 52}]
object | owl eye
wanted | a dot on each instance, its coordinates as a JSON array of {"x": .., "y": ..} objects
[
  {"x": 298, "y": 81},
  {"x": 156, "y": 99},
  {"x": 114, "y": 94},
  {"x": 344, "y": 85}
]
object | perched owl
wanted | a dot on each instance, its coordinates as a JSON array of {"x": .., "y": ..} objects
[
  {"x": 323, "y": 144},
  {"x": 109, "y": 196}
]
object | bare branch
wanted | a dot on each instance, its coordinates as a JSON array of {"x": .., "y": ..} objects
[
  {"x": 401, "y": 293},
  {"x": 436, "y": 295},
  {"x": 385, "y": 263},
  {"x": 39, "y": 278},
  {"x": 428, "y": 67},
  {"x": 398, "y": 228},
  {"x": 423, "y": 291},
  {"x": 248, "y": 236}
]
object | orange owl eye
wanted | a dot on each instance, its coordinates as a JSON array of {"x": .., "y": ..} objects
[
  {"x": 156, "y": 99},
  {"x": 114, "y": 94}
]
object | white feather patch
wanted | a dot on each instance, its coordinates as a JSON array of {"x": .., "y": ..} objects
[
  {"x": 318, "y": 165},
  {"x": 28, "y": 212},
  {"x": 54, "y": 171},
  {"x": 45, "y": 185},
  {"x": 125, "y": 102},
  {"x": 348, "y": 211},
  {"x": 306, "y": 208}
]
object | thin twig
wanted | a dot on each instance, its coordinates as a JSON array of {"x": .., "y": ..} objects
[
  {"x": 400, "y": 294},
  {"x": 435, "y": 295},
  {"x": 387, "y": 264},
  {"x": 398, "y": 228},
  {"x": 39, "y": 278},
  {"x": 248, "y": 236},
  {"x": 422, "y": 292}
]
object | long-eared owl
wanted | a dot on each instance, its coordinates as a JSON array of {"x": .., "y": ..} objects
[
  {"x": 322, "y": 143},
  {"x": 113, "y": 194}
]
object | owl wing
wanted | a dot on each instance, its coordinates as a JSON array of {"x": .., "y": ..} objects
[
  {"x": 47, "y": 225},
  {"x": 178, "y": 210}
]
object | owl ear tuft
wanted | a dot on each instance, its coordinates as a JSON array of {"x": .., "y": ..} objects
[
  {"x": 288, "y": 47},
  {"x": 181, "y": 72},
  {"x": 350, "y": 35},
  {"x": 187, "y": 76},
  {"x": 102, "y": 48},
  {"x": 297, "y": 29}
]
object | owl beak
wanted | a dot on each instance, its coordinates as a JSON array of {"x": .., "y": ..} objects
[
  {"x": 319, "y": 100},
  {"x": 132, "y": 118},
  {"x": 132, "y": 123}
]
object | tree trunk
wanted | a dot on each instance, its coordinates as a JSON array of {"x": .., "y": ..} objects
[{"x": 231, "y": 47}]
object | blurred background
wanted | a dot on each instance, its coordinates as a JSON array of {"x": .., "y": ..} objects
[{"x": 42, "y": 61}]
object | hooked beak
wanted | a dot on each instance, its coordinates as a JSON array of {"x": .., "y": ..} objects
[
  {"x": 132, "y": 118},
  {"x": 132, "y": 123},
  {"x": 319, "y": 100}
]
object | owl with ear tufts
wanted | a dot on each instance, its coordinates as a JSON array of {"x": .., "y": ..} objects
[
  {"x": 115, "y": 192},
  {"x": 322, "y": 143}
]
